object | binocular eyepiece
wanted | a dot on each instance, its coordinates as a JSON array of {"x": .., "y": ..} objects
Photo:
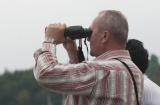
[{"x": 77, "y": 32}]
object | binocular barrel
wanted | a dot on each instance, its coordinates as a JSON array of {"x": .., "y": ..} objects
[{"x": 77, "y": 32}]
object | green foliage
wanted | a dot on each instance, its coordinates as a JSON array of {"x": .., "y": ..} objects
[
  {"x": 153, "y": 71},
  {"x": 20, "y": 88}
]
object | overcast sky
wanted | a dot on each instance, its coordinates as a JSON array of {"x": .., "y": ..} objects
[{"x": 22, "y": 24}]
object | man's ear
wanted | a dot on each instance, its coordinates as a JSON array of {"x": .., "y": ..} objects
[{"x": 105, "y": 37}]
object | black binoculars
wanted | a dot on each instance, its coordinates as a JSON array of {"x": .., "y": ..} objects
[{"x": 77, "y": 32}]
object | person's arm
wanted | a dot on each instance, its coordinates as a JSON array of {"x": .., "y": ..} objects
[{"x": 71, "y": 78}]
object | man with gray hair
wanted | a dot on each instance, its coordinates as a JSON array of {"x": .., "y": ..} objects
[{"x": 105, "y": 80}]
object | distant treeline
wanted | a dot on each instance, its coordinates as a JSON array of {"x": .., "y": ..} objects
[
  {"x": 153, "y": 71},
  {"x": 20, "y": 87}
]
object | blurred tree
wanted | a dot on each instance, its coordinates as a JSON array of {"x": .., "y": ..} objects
[
  {"x": 153, "y": 70},
  {"x": 20, "y": 88},
  {"x": 23, "y": 97}
]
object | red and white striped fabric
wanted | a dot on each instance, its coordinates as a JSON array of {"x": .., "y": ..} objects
[{"x": 102, "y": 81}]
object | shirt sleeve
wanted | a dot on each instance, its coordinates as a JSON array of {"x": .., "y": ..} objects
[{"x": 71, "y": 78}]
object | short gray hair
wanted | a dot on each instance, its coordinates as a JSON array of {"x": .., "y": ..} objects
[{"x": 116, "y": 23}]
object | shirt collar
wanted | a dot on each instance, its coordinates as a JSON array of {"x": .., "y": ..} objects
[{"x": 114, "y": 54}]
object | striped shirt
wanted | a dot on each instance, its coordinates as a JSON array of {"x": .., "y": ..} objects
[{"x": 102, "y": 81}]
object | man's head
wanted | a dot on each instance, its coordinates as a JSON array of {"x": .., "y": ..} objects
[
  {"x": 138, "y": 53},
  {"x": 109, "y": 32}
]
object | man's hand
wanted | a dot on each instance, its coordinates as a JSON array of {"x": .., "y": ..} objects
[
  {"x": 71, "y": 47},
  {"x": 56, "y": 32}
]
